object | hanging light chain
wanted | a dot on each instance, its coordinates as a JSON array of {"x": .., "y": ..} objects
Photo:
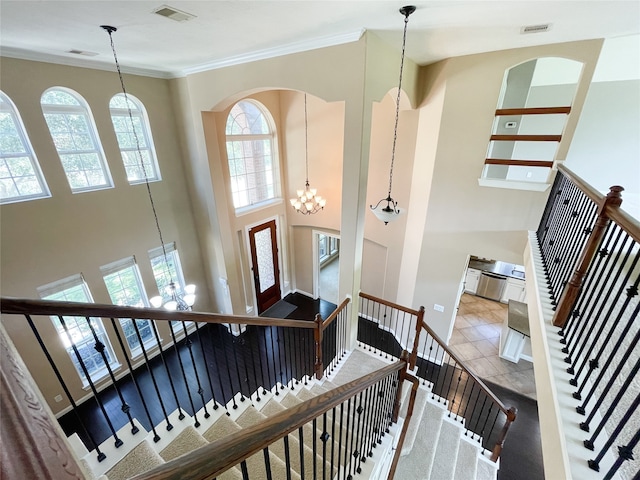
[
  {"x": 306, "y": 140},
  {"x": 109, "y": 31},
  {"x": 395, "y": 128}
]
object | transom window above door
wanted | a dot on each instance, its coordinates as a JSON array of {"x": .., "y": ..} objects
[{"x": 253, "y": 163}]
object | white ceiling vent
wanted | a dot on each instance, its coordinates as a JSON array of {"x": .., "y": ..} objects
[
  {"x": 173, "y": 13},
  {"x": 536, "y": 28}
]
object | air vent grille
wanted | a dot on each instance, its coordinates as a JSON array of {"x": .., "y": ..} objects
[
  {"x": 83, "y": 52},
  {"x": 173, "y": 13},
  {"x": 536, "y": 28}
]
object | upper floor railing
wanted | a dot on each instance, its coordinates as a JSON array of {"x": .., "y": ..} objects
[{"x": 590, "y": 251}]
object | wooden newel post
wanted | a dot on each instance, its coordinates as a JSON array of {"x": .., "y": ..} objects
[
  {"x": 317, "y": 336},
  {"x": 414, "y": 353},
  {"x": 404, "y": 357},
  {"x": 572, "y": 289},
  {"x": 497, "y": 449}
]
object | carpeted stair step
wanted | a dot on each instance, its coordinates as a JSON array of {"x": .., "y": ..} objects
[
  {"x": 139, "y": 460},
  {"x": 467, "y": 459},
  {"x": 251, "y": 416},
  {"x": 186, "y": 441},
  {"x": 443, "y": 466},
  {"x": 487, "y": 470},
  {"x": 418, "y": 408},
  {"x": 417, "y": 462}
]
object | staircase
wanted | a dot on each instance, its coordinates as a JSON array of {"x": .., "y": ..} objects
[{"x": 435, "y": 446}]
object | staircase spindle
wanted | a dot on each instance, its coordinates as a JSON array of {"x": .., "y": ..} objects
[
  {"x": 287, "y": 458},
  {"x": 100, "y": 455},
  {"x": 234, "y": 346},
  {"x": 301, "y": 446},
  {"x": 625, "y": 453},
  {"x": 206, "y": 365},
  {"x": 118, "y": 441},
  {"x": 358, "y": 436},
  {"x": 184, "y": 375},
  {"x": 254, "y": 369},
  {"x": 267, "y": 463}
]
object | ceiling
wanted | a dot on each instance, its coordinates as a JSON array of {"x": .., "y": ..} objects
[{"x": 231, "y": 32}]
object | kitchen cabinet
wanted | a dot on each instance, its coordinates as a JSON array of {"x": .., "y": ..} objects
[
  {"x": 514, "y": 290},
  {"x": 471, "y": 280}
]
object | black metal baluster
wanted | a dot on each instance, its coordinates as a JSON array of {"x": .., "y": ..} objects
[
  {"x": 595, "y": 463},
  {"x": 324, "y": 437},
  {"x": 340, "y": 440},
  {"x": 314, "y": 448},
  {"x": 155, "y": 384},
  {"x": 287, "y": 458},
  {"x": 347, "y": 452},
  {"x": 100, "y": 348},
  {"x": 356, "y": 453},
  {"x": 206, "y": 365},
  {"x": 74, "y": 406},
  {"x": 366, "y": 425},
  {"x": 267, "y": 362},
  {"x": 184, "y": 375},
  {"x": 214, "y": 347},
  {"x": 463, "y": 396},
  {"x": 301, "y": 444},
  {"x": 484, "y": 403},
  {"x": 604, "y": 320},
  {"x": 169, "y": 376},
  {"x": 333, "y": 439},
  {"x": 298, "y": 354},
  {"x": 483, "y": 431},
  {"x": 267, "y": 463},
  {"x": 473, "y": 410},
  {"x": 118, "y": 441},
  {"x": 273, "y": 356},
  {"x": 625, "y": 453},
  {"x": 614, "y": 376},
  {"x": 200, "y": 390},
  {"x": 243, "y": 469},
  {"x": 234, "y": 343},
  {"x": 156, "y": 437},
  {"x": 289, "y": 362},
  {"x": 254, "y": 369}
]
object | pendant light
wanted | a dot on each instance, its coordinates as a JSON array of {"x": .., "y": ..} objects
[
  {"x": 387, "y": 210},
  {"x": 307, "y": 201},
  {"x": 178, "y": 300}
]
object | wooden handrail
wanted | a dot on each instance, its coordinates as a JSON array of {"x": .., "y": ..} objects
[
  {"x": 389, "y": 304},
  {"x": 591, "y": 192},
  {"x": 486, "y": 389},
  {"x": 335, "y": 313},
  {"x": 211, "y": 460},
  {"x": 415, "y": 384},
  {"x": 24, "y": 306}
]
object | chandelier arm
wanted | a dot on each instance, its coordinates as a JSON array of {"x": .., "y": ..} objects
[{"x": 109, "y": 31}]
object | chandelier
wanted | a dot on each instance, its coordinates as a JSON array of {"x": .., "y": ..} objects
[
  {"x": 387, "y": 210},
  {"x": 177, "y": 299},
  {"x": 307, "y": 201}
]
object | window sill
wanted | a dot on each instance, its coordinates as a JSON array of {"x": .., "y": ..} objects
[
  {"x": 149, "y": 346},
  {"x": 257, "y": 206},
  {"x": 514, "y": 185}
]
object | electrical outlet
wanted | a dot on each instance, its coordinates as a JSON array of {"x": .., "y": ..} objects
[
  {"x": 438, "y": 308},
  {"x": 58, "y": 398}
]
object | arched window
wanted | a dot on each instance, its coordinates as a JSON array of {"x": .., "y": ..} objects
[
  {"x": 20, "y": 175},
  {"x": 133, "y": 132},
  {"x": 76, "y": 139},
  {"x": 253, "y": 166}
]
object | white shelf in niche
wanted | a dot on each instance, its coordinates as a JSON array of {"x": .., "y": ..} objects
[{"x": 510, "y": 184}]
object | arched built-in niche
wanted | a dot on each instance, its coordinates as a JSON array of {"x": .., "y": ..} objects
[{"x": 534, "y": 103}]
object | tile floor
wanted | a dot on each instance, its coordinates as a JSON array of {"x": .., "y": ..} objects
[{"x": 476, "y": 337}]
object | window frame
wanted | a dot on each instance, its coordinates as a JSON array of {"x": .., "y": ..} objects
[
  {"x": 139, "y": 112},
  {"x": 272, "y": 138},
  {"x": 116, "y": 268},
  {"x": 84, "y": 110},
  {"x": 62, "y": 286},
  {"x": 7, "y": 106}
]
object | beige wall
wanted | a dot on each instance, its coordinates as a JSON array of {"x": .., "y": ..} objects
[
  {"x": 49, "y": 239},
  {"x": 462, "y": 217}
]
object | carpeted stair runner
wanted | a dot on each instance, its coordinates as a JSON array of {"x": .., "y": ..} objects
[{"x": 435, "y": 447}]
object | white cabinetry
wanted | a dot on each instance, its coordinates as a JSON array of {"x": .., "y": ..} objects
[
  {"x": 514, "y": 290},
  {"x": 471, "y": 280}
]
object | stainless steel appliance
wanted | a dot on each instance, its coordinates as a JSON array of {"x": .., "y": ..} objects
[{"x": 491, "y": 285}]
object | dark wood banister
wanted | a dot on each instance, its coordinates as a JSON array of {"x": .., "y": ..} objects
[
  {"x": 389, "y": 304},
  {"x": 335, "y": 313},
  {"x": 23, "y": 306},
  {"x": 211, "y": 460}
]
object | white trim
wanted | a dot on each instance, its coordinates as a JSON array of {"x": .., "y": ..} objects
[
  {"x": 241, "y": 211},
  {"x": 511, "y": 184}
]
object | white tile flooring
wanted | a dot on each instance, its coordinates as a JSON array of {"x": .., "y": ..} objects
[{"x": 476, "y": 337}]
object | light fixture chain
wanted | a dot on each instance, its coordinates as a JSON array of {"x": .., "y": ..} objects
[
  {"x": 138, "y": 150},
  {"x": 395, "y": 128},
  {"x": 306, "y": 140}
]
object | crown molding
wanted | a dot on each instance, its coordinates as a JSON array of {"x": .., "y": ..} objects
[{"x": 279, "y": 51}]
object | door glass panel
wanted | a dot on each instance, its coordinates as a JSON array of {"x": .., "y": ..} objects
[{"x": 264, "y": 254}]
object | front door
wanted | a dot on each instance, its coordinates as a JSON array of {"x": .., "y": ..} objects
[{"x": 264, "y": 260}]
